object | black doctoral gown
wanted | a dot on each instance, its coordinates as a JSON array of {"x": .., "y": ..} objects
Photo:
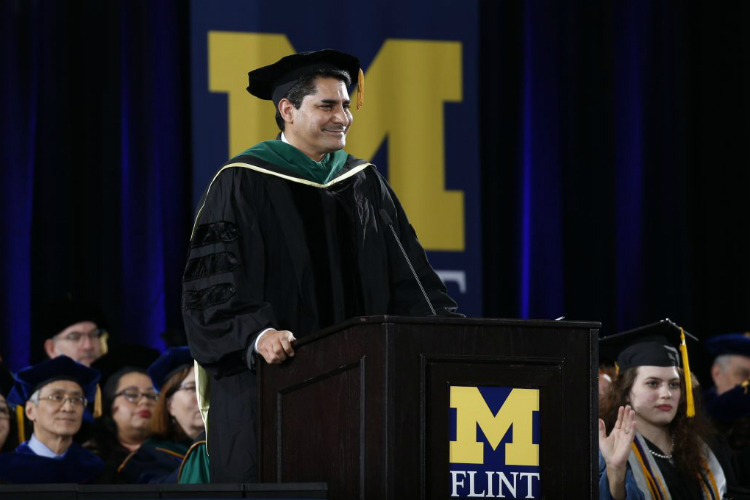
[{"x": 270, "y": 249}]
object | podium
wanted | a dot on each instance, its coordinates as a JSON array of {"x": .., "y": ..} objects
[{"x": 430, "y": 408}]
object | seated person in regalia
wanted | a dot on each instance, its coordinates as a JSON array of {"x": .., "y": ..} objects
[{"x": 53, "y": 395}]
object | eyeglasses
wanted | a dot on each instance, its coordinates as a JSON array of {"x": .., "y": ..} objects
[
  {"x": 76, "y": 337},
  {"x": 134, "y": 396},
  {"x": 59, "y": 399},
  {"x": 186, "y": 387}
]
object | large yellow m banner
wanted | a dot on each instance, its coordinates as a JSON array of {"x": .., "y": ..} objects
[{"x": 418, "y": 123}]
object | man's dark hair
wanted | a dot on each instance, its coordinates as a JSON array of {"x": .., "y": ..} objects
[{"x": 306, "y": 86}]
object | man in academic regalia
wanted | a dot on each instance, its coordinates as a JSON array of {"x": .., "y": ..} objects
[
  {"x": 53, "y": 394},
  {"x": 74, "y": 329},
  {"x": 291, "y": 236},
  {"x": 728, "y": 401}
]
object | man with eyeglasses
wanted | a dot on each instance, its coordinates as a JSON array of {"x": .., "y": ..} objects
[
  {"x": 54, "y": 394},
  {"x": 74, "y": 329}
]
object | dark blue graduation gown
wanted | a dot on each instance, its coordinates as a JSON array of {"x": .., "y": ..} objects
[{"x": 23, "y": 466}]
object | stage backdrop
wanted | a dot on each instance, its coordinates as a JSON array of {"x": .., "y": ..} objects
[{"x": 419, "y": 122}]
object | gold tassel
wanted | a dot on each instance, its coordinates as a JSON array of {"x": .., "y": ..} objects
[
  {"x": 360, "y": 89},
  {"x": 617, "y": 370},
  {"x": 98, "y": 402},
  {"x": 103, "y": 342},
  {"x": 688, "y": 377},
  {"x": 21, "y": 423}
]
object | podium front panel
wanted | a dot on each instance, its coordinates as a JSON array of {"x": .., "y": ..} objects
[{"x": 374, "y": 408}]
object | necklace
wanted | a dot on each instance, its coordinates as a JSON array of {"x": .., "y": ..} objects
[{"x": 659, "y": 455}]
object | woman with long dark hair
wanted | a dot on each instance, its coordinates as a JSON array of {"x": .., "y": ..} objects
[
  {"x": 128, "y": 400},
  {"x": 652, "y": 438},
  {"x": 176, "y": 423}
]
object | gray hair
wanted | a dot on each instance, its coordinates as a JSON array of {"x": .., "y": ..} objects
[
  {"x": 723, "y": 361},
  {"x": 34, "y": 398}
]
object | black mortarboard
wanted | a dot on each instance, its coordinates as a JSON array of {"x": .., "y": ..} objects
[
  {"x": 658, "y": 344},
  {"x": 651, "y": 345},
  {"x": 272, "y": 82},
  {"x": 729, "y": 343},
  {"x": 57, "y": 316},
  {"x": 32, "y": 378},
  {"x": 168, "y": 364}
]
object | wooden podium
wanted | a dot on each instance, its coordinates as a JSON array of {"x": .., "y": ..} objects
[{"x": 366, "y": 406}]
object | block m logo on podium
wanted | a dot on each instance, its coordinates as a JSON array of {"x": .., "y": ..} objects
[{"x": 494, "y": 442}]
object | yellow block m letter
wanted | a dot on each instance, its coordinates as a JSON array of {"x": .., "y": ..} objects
[{"x": 472, "y": 411}]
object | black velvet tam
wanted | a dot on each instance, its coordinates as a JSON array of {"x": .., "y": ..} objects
[
  {"x": 272, "y": 82},
  {"x": 730, "y": 343},
  {"x": 168, "y": 364},
  {"x": 31, "y": 378},
  {"x": 656, "y": 344}
]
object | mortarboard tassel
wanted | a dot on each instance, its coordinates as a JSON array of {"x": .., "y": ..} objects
[
  {"x": 360, "y": 89},
  {"x": 20, "y": 421},
  {"x": 617, "y": 370},
  {"x": 688, "y": 377},
  {"x": 98, "y": 402}
]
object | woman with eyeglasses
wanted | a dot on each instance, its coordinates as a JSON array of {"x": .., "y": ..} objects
[
  {"x": 128, "y": 403},
  {"x": 176, "y": 424}
]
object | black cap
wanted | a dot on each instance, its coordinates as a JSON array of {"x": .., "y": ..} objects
[
  {"x": 272, "y": 82},
  {"x": 57, "y": 316},
  {"x": 656, "y": 344}
]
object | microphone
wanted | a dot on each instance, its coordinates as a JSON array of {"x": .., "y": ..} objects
[{"x": 389, "y": 223}]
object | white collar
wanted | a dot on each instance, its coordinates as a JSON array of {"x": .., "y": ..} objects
[
  {"x": 283, "y": 138},
  {"x": 41, "y": 449}
]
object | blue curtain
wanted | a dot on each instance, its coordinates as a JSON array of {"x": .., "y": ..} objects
[
  {"x": 95, "y": 173},
  {"x": 615, "y": 162}
]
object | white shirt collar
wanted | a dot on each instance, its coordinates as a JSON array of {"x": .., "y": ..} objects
[
  {"x": 41, "y": 449},
  {"x": 283, "y": 138}
]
